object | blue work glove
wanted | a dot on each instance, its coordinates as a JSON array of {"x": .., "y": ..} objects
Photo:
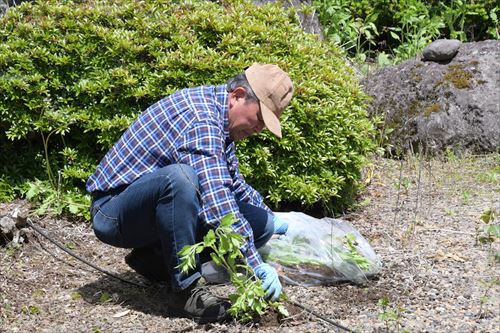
[
  {"x": 270, "y": 281},
  {"x": 280, "y": 226}
]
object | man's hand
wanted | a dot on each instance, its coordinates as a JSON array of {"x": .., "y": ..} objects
[
  {"x": 270, "y": 281},
  {"x": 280, "y": 226}
]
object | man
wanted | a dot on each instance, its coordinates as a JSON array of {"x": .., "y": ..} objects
[{"x": 174, "y": 174}]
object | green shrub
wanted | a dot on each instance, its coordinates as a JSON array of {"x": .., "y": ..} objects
[{"x": 75, "y": 74}]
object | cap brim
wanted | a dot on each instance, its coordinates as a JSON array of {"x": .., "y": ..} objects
[{"x": 270, "y": 120}]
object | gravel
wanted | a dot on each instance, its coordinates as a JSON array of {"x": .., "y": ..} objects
[{"x": 436, "y": 276}]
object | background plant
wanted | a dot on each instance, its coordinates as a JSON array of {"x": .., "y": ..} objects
[
  {"x": 352, "y": 33},
  {"x": 415, "y": 30},
  {"x": 486, "y": 297},
  {"x": 404, "y": 27},
  {"x": 390, "y": 315},
  {"x": 76, "y": 74},
  {"x": 490, "y": 231}
]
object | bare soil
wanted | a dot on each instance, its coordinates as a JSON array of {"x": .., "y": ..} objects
[{"x": 421, "y": 216}]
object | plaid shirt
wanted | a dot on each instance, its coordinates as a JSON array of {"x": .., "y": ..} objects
[{"x": 190, "y": 127}]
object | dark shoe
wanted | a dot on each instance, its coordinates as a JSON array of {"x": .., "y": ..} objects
[
  {"x": 149, "y": 263},
  {"x": 198, "y": 304},
  {"x": 214, "y": 273}
]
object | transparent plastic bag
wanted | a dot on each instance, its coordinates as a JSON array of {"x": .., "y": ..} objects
[{"x": 320, "y": 251}]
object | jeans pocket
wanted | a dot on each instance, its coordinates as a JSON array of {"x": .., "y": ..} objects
[{"x": 106, "y": 228}]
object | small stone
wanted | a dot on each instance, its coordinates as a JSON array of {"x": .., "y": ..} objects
[
  {"x": 441, "y": 49},
  {"x": 440, "y": 309},
  {"x": 7, "y": 225},
  {"x": 20, "y": 216}
]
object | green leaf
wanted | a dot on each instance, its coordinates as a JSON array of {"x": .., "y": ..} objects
[
  {"x": 224, "y": 245},
  {"x": 384, "y": 301},
  {"x": 76, "y": 295},
  {"x": 283, "y": 310},
  {"x": 186, "y": 249},
  {"x": 488, "y": 216},
  {"x": 395, "y": 36},
  {"x": 32, "y": 192},
  {"x": 209, "y": 239},
  {"x": 105, "y": 297},
  {"x": 228, "y": 220},
  {"x": 493, "y": 230},
  {"x": 493, "y": 16},
  {"x": 74, "y": 209},
  {"x": 70, "y": 246}
]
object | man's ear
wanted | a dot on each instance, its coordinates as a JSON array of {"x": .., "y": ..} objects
[
  {"x": 237, "y": 95},
  {"x": 239, "y": 92}
]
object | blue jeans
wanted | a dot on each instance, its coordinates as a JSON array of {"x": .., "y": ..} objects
[{"x": 161, "y": 209}]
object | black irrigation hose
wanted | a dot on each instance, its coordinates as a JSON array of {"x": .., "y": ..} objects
[
  {"x": 320, "y": 316},
  {"x": 71, "y": 253}
]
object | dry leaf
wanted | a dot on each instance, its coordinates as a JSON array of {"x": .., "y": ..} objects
[{"x": 121, "y": 314}]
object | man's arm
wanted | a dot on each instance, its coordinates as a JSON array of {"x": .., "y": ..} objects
[
  {"x": 202, "y": 147},
  {"x": 241, "y": 189}
]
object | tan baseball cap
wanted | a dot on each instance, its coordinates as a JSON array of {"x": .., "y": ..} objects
[{"x": 274, "y": 89}]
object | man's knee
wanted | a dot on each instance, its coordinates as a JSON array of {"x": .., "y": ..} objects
[{"x": 180, "y": 180}]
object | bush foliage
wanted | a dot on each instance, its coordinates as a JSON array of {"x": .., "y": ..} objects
[{"x": 75, "y": 74}]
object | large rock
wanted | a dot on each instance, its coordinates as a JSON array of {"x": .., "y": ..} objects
[{"x": 434, "y": 106}]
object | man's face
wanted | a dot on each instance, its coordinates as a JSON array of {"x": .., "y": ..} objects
[{"x": 245, "y": 118}]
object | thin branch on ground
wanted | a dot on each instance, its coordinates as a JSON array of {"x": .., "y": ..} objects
[{"x": 396, "y": 210}]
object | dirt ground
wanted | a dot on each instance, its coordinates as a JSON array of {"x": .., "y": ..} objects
[{"x": 421, "y": 216}]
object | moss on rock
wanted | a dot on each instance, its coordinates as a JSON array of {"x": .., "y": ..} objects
[
  {"x": 433, "y": 108},
  {"x": 457, "y": 75}
]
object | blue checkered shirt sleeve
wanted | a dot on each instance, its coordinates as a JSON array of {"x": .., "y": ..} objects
[
  {"x": 202, "y": 147},
  {"x": 241, "y": 189}
]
